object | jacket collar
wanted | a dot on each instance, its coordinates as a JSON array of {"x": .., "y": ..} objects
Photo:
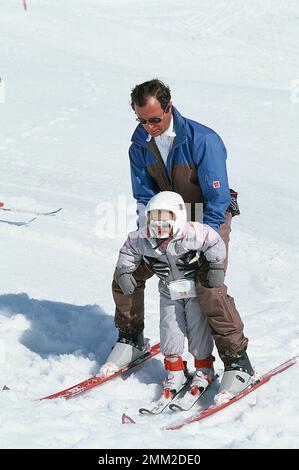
[{"x": 140, "y": 136}]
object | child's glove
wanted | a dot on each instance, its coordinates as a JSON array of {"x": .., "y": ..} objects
[
  {"x": 126, "y": 282},
  {"x": 215, "y": 275}
]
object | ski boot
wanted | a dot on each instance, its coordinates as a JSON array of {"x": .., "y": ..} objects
[
  {"x": 127, "y": 349},
  {"x": 176, "y": 375},
  {"x": 238, "y": 375},
  {"x": 203, "y": 376}
]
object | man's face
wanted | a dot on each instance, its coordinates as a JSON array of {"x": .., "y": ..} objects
[{"x": 153, "y": 109}]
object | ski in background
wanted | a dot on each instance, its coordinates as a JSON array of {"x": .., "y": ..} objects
[
  {"x": 18, "y": 223},
  {"x": 27, "y": 211}
]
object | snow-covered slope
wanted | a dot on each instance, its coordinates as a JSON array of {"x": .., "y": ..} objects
[{"x": 68, "y": 68}]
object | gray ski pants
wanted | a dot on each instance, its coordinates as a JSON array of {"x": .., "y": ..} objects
[{"x": 183, "y": 318}]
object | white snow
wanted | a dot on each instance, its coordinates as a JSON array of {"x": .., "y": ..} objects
[{"x": 68, "y": 68}]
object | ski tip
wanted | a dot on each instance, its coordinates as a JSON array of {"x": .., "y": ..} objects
[
  {"x": 125, "y": 419},
  {"x": 55, "y": 212},
  {"x": 145, "y": 411},
  {"x": 31, "y": 220},
  {"x": 175, "y": 407}
]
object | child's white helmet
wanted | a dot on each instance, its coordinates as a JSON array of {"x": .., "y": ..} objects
[{"x": 172, "y": 202}]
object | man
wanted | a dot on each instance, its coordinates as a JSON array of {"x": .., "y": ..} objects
[{"x": 173, "y": 153}]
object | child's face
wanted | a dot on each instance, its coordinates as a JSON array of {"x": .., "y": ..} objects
[{"x": 161, "y": 223}]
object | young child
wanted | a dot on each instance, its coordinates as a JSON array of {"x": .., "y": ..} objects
[{"x": 166, "y": 238}]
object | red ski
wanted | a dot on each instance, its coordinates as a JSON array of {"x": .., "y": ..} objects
[
  {"x": 205, "y": 413},
  {"x": 96, "y": 381}
]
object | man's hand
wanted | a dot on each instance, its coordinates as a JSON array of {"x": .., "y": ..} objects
[
  {"x": 126, "y": 282},
  {"x": 215, "y": 275},
  {"x": 156, "y": 266},
  {"x": 188, "y": 263}
]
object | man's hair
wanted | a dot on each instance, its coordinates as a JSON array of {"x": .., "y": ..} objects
[{"x": 153, "y": 88}]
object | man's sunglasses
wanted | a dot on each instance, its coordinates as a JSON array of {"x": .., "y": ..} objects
[{"x": 153, "y": 120}]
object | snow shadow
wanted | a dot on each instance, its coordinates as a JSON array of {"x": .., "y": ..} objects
[{"x": 60, "y": 328}]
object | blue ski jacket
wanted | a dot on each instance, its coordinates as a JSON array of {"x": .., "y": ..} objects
[{"x": 196, "y": 168}]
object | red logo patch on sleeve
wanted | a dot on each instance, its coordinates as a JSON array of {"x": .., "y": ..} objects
[{"x": 216, "y": 184}]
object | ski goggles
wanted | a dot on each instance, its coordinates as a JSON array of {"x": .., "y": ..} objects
[{"x": 164, "y": 224}]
